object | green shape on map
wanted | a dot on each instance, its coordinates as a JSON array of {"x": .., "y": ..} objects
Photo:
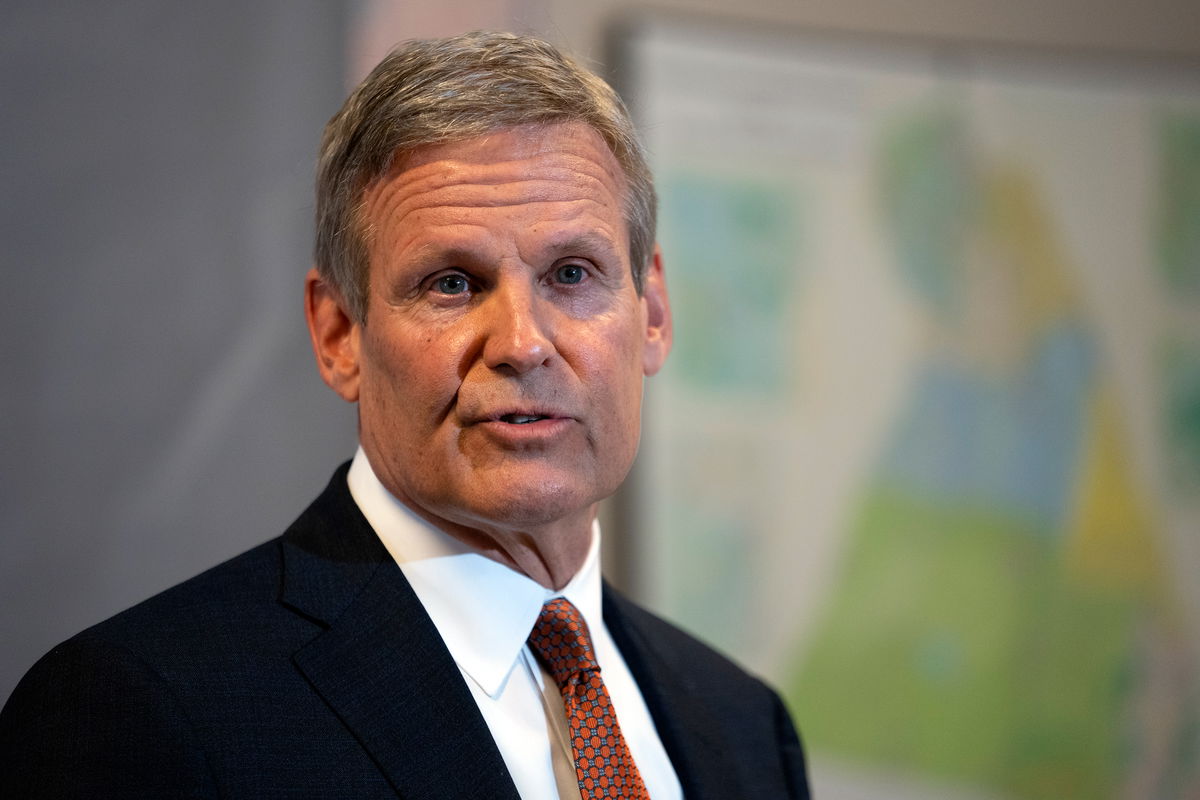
[
  {"x": 1179, "y": 212},
  {"x": 731, "y": 246},
  {"x": 1181, "y": 414},
  {"x": 927, "y": 202},
  {"x": 953, "y": 646}
]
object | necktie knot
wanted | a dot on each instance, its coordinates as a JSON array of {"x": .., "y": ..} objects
[{"x": 560, "y": 638}]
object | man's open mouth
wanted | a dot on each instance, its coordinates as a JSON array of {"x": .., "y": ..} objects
[{"x": 520, "y": 419}]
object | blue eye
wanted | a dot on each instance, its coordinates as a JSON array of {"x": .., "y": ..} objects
[
  {"x": 451, "y": 284},
  {"x": 570, "y": 273}
]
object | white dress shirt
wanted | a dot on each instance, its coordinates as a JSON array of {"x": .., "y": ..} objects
[{"x": 484, "y": 612}]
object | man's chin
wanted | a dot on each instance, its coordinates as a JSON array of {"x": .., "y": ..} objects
[
  {"x": 524, "y": 499},
  {"x": 533, "y": 508}
]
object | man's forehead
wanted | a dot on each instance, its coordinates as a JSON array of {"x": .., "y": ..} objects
[
  {"x": 507, "y": 154},
  {"x": 536, "y": 165}
]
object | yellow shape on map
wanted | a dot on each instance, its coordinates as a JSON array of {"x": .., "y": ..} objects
[
  {"x": 1110, "y": 540},
  {"x": 1028, "y": 246}
]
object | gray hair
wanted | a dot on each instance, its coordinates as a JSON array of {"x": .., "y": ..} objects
[{"x": 442, "y": 90}]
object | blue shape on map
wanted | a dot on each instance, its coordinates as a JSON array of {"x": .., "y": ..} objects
[{"x": 972, "y": 439}]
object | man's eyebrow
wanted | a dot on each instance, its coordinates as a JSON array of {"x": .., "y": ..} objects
[
  {"x": 590, "y": 241},
  {"x": 432, "y": 257}
]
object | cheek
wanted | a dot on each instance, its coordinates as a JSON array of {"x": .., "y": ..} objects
[
  {"x": 400, "y": 375},
  {"x": 617, "y": 441},
  {"x": 617, "y": 370}
]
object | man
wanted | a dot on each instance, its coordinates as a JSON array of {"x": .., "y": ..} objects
[{"x": 488, "y": 292}]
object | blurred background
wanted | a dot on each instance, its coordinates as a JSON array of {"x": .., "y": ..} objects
[{"x": 927, "y": 454}]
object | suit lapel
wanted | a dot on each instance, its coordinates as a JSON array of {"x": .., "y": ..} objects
[
  {"x": 381, "y": 665},
  {"x": 688, "y": 732}
]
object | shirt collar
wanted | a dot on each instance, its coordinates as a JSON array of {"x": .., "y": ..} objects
[{"x": 483, "y": 610}]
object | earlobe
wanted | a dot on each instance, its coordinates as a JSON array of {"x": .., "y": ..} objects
[
  {"x": 658, "y": 316},
  {"x": 334, "y": 334}
]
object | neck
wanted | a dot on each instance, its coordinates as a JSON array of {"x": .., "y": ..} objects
[{"x": 549, "y": 554}]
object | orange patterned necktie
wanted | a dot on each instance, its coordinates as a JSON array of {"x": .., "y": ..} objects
[{"x": 603, "y": 763}]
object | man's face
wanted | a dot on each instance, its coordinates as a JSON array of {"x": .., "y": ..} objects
[{"x": 499, "y": 371}]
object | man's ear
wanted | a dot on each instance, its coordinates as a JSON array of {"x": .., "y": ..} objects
[
  {"x": 336, "y": 337},
  {"x": 658, "y": 315}
]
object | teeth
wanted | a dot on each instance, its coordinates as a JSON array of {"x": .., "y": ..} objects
[{"x": 519, "y": 419}]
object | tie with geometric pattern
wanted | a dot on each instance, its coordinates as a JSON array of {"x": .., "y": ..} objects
[{"x": 603, "y": 763}]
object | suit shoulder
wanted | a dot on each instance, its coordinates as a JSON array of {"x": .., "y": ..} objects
[
  {"x": 208, "y": 623},
  {"x": 86, "y": 715},
  {"x": 243, "y": 583}
]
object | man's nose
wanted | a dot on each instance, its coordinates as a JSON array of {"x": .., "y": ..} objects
[{"x": 518, "y": 332}]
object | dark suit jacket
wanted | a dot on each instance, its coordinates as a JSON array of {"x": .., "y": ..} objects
[{"x": 307, "y": 667}]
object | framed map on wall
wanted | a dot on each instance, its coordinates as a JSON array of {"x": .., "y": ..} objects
[{"x": 927, "y": 451}]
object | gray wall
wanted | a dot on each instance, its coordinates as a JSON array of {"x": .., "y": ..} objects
[{"x": 161, "y": 410}]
